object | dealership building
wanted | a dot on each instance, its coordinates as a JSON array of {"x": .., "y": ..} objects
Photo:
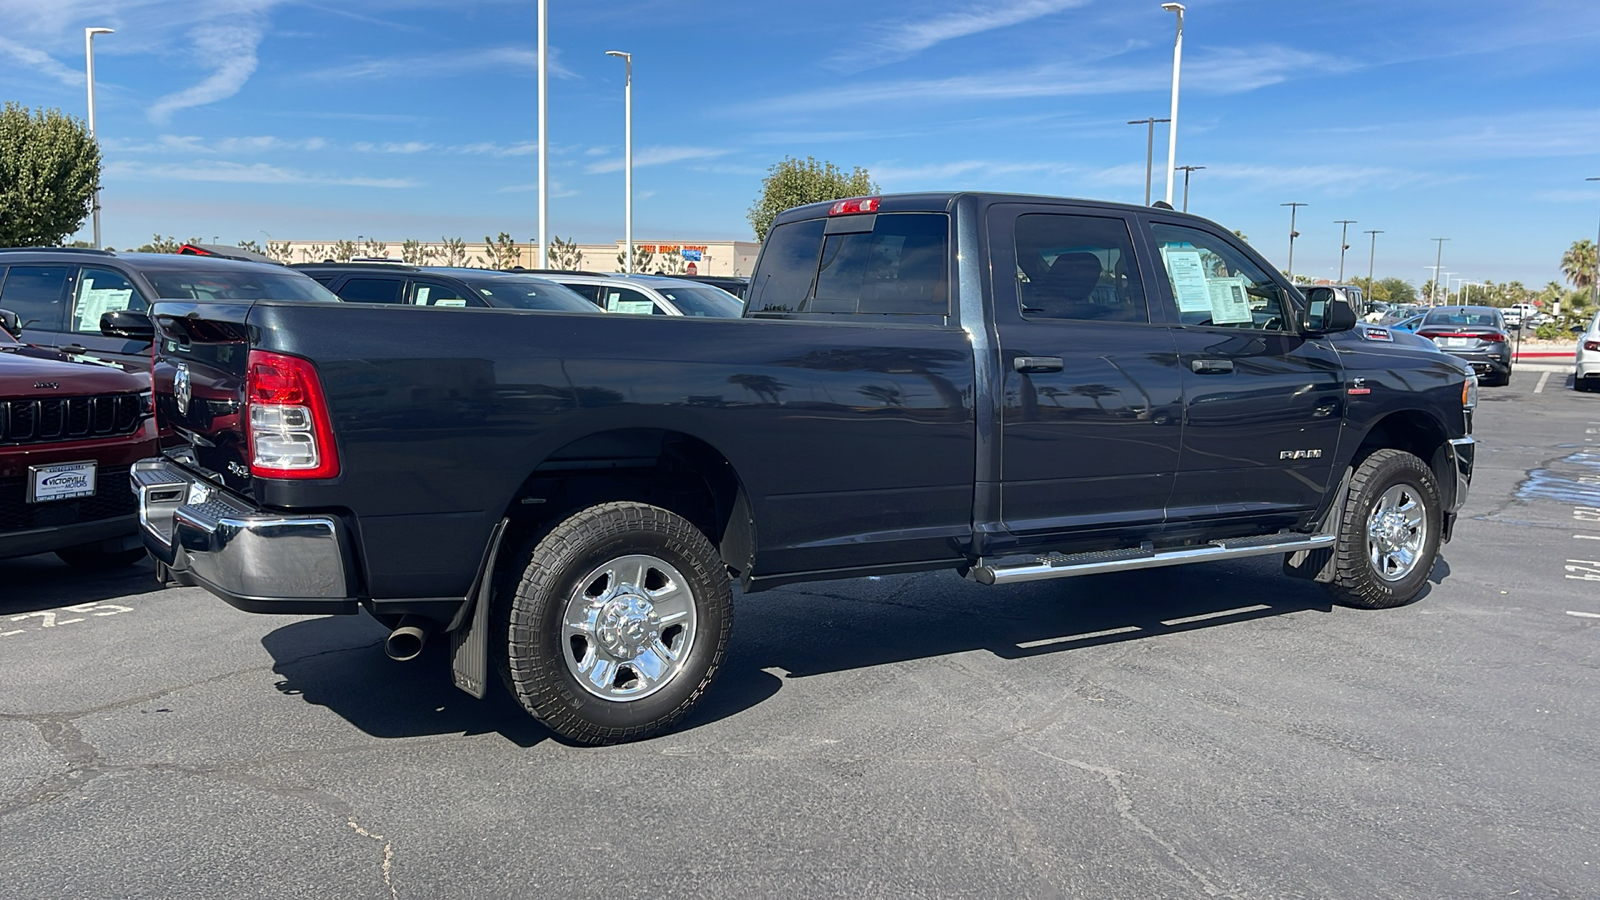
[{"x": 670, "y": 257}]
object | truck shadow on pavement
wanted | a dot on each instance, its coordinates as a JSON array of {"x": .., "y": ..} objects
[
  {"x": 338, "y": 662},
  {"x": 32, "y": 583}
]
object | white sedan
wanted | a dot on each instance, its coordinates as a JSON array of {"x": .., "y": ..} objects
[{"x": 1587, "y": 377}]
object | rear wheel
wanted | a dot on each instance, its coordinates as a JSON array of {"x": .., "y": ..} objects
[
  {"x": 618, "y": 625},
  {"x": 1389, "y": 534}
]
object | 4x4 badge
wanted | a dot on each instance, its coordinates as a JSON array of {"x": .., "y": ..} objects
[{"x": 181, "y": 390}]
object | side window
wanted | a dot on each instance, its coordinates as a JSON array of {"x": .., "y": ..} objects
[
  {"x": 37, "y": 294},
  {"x": 1213, "y": 283},
  {"x": 590, "y": 292},
  {"x": 1078, "y": 267},
  {"x": 432, "y": 293},
  {"x": 627, "y": 300},
  {"x": 101, "y": 291},
  {"x": 371, "y": 290},
  {"x": 787, "y": 269},
  {"x": 896, "y": 268}
]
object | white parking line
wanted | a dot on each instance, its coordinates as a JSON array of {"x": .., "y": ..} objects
[
  {"x": 1543, "y": 379},
  {"x": 1029, "y": 645},
  {"x": 1586, "y": 537},
  {"x": 1215, "y": 615},
  {"x": 1583, "y": 615}
]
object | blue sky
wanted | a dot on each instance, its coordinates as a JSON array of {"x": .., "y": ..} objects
[{"x": 415, "y": 119}]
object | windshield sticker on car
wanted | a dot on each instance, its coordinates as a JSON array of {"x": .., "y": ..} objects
[
  {"x": 1377, "y": 334},
  {"x": 1230, "y": 304},
  {"x": 1188, "y": 276}
]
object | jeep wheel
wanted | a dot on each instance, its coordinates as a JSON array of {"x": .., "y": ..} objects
[
  {"x": 618, "y": 625},
  {"x": 1389, "y": 535}
]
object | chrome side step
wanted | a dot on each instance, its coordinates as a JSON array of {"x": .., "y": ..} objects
[{"x": 1067, "y": 565}]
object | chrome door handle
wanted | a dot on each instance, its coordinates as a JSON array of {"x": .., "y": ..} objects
[
  {"x": 1033, "y": 365},
  {"x": 1212, "y": 366}
]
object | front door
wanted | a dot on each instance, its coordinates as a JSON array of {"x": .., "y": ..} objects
[
  {"x": 1263, "y": 403},
  {"x": 97, "y": 292},
  {"x": 1091, "y": 415}
]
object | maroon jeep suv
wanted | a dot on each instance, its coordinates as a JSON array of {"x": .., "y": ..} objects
[{"x": 69, "y": 431}]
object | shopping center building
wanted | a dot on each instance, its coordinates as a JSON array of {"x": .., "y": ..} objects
[{"x": 669, "y": 257}]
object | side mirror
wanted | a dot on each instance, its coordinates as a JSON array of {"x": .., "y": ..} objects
[
  {"x": 1328, "y": 311},
  {"x": 128, "y": 323},
  {"x": 10, "y": 323},
  {"x": 1576, "y": 329}
]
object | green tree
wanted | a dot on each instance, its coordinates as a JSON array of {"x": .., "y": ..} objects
[
  {"x": 281, "y": 251},
  {"x": 502, "y": 252},
  {"x": 415, "y": 253},
  {"x": 49, "y": 169},
  {"x": 342, "y": 251},
  {"x": 252, "y": 246},
  {"x": 1241, "y": 235},
  {"x": 1398, "y": 290},
  {"x": 644, "y": 256},
  {"x": 1578, "y": 264},
  {"x": 315, "y": 253},
  {"x": 564, "y": 254},
  {"x": 375, "y": 248},
  {"x": 794, "y": 182},
  {"x": 454, "y": 252},
  {"x": 159, "y": 244},
  {"x": 672, "y": 264}
]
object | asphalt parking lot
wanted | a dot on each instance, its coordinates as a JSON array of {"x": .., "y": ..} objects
[{"x": 1214, "y": 731}]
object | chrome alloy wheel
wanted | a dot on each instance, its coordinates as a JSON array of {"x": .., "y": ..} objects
[
  {"x": 628, "y": 627},
  {"x": 1397, "y": 530}
]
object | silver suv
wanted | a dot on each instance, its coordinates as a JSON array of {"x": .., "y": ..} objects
[{"x": 653, "y": 295}]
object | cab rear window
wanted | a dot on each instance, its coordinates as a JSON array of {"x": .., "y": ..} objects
[{"x": 899, "y": 267}]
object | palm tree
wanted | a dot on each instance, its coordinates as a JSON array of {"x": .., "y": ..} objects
[{"x": 1578, "y": 264}]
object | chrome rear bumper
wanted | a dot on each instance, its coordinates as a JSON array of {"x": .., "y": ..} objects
[{"x": 256, "y": 560}]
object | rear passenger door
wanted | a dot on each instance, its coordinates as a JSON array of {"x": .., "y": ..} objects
[
  {"x": 1091, "y": 416},
  {"x": 372, "y": 289},
  {"x": 1263, "y": 403},
  {"x": 39, "y": 295},
  {"x": 427, "y": 292}
]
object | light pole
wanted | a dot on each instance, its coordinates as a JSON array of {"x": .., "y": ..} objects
[
  {"x": 1293, "y": 208},
  {"x": 1438, "y": 264},
  {"x": 1344, "y": 244},
  {"x": 1371, "y": 259},
  {"x": 88, "y": 53},
  {"x": 627, "y": 154},
  {"x": 1594, "y": 286},
  {"x": 1445, "y": 277},
  {"x": 1187, "y": 171},
  {"x": 1149, "y": 152},
  {"x": 1172, "y": 129},
  {"x": 544, "y": 143}
]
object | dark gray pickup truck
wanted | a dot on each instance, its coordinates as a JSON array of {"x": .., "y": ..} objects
[{"x": 1011, "y": 387}]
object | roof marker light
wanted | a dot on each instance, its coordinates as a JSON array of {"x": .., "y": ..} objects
[{"x": 858, "y": 205}]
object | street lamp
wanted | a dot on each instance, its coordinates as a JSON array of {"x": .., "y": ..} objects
[
  {"x": 627, "y": 154},
  {"x": 544, "y": 141},
  {"x": 1438, "y": 263},
  {"x": 1371, "y": 259},
  {"x": 1293, "y": 208},
  {"x": 1444, "y": 277},
  {"x": 1149, "y": 152},
  {"x": 1187, "y": 171},
  {"x": 88, "y": 53},
  {"x": 1344, "y": 244},
  {"x": 1594, "y": 286},
  {"x": 1172, "y": 130}
]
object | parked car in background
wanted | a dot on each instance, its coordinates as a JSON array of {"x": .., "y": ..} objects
[
  {"x": 69, "y": 432},
  {"x": 655, "y": 295},
  {"x": 444, "y": 286},
  {"x": 733, "y": 285},
  {"x": 61, "y": 294},
  {"x": 1408, "y": 324},
  {"x": 1474, "y": 334},
  {"x": 1587, "y": 375}
]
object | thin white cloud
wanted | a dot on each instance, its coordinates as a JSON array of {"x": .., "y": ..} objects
[
  {"x": 228, "y": 49},
  {"x": 1228, "y": 70},
  {"x": 656, "y": 156},
  {"x": 406, "y": 147},
  {"x": 242, "y": 173},
  {"x": 228, "y": 146},
  {"x": 448, "y": 63},
  {"x": 557, "y": 189},
  {"x": 909, "y": 37},
  {"x": 39, "y": 61}
]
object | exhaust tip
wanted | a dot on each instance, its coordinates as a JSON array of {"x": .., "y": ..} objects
[{"x": 405, "y": 643}]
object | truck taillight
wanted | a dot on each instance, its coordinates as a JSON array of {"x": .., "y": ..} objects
[{"x": 289, "y": 431}]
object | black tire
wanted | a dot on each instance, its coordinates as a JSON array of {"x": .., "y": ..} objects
[
  {"x": 93, "y": 560},
  {"x": 1586, "y": 385},
  {"x": 535, "y": 665},
  {"x": 1357, "y": 581}
]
